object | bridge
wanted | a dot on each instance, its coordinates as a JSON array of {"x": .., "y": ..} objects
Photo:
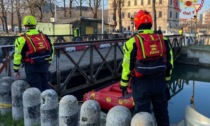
[{"x": 86, "y": 64}]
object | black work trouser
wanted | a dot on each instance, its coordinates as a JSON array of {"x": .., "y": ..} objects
[
  {"x": 37, "y": 75},
  {"x": 151, "y": 91}
]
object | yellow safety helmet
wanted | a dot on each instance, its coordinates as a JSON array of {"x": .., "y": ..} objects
[{"x": 29, "y": 20}]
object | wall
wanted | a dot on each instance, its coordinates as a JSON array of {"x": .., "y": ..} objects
[{"x": 55, "y": 29}]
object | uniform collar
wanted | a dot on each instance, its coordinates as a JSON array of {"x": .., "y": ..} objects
[{"x": 146, "y": 31}]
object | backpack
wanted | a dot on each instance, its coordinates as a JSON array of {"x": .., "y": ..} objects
[
  {"x": 151, "y": 55},
  {"x": 39, "y": 49}
]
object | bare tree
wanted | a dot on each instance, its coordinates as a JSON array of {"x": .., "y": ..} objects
[
  {"x": 18, "y": 8},
  {"x": 94, "y": 6},
  {"x": 64, "y": 8},
  {"x": 70, "y": 7},
  {"x": 51, "y": 6},
  {"x": 12, "y": 15},
  {"x": 114, "y": 4},
  {"x": 35, "y": 5},
  {"x": 4, "y": 15},
  {"x": 80, "y": 3}
]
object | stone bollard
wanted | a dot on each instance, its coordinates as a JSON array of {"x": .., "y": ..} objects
[
  {"x": 90, "y": 113},
  {"x": 143, "y": 119},
  {"x": 5, "y": 95},
  {"x": 31, "y": 106},
  {"x": 18, "y": 87},
  {"x": 49, "y": 108},
  {"x": 68, "y": 111},
  {"x": 118, "y": 116}
]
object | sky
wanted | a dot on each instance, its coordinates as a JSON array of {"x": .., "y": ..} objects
[{"x": 188, "y": 11}]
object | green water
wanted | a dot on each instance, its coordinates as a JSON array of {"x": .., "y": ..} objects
[{"x": 187, "y": 82}]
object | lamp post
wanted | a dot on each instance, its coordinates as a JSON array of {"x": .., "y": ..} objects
[
  {"x": 102, "y": 17},
  {"x": 55, "y": 11},
  {"x": 195, "y": 20}
]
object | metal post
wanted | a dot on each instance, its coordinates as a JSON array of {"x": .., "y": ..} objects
[
  {"x": 55, "y": 11},
  {"x": 102, "y": 18}
]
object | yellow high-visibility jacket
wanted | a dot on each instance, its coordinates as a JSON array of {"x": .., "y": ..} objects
[
  {"x": 21, "y": 48},
  {"x": 129, "y": 58}
]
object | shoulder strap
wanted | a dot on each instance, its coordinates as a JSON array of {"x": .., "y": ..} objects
[{"x": 140, "y": 46}]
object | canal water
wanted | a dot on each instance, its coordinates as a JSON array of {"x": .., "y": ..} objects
[{"x": 189, "y": 82}]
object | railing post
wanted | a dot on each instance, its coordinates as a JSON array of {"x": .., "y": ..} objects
[{"x": 58, "y": 72}]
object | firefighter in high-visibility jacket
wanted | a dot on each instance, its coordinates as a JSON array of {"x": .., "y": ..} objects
[
  {"x": 147, "y": 65},
  {"x": 35, "y": 52}
]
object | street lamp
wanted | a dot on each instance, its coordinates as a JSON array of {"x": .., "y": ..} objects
[
  {"x": 55, "y": 16},
  {"x": 102, "y": 17}
]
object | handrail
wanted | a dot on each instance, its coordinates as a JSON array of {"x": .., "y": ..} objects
[{"x": 94, "y": 62}]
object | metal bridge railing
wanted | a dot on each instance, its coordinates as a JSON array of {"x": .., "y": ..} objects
[{"x": 87, "y": 64}]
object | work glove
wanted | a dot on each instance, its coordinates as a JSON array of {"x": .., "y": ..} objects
[
  {"x": 17, "y": 75},
  {"x": 124, "y": 90}
]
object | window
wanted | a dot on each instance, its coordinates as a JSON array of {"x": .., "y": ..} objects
[
  {"x": 123, "y": 15},
  {"x": 123, "y": 4},
  {"x": 129, "y": 15},
  {"x": 135, "y": 2},
  {"x": 160, "y": 14},
  {"x": 142, "y": 2},
  {"x": 170, "y": 14},
  {"x": 129, "y": 3},
  {"x": 176, "y": 15},
  {"x": 129, "y": 28},
  {"x": 149, "y": 2},
  {"x": 160, "y": 1},
  {"x": 171, "y": 2}
]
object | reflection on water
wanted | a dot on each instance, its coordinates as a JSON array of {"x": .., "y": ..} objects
[{"x": 188, "y": 83}]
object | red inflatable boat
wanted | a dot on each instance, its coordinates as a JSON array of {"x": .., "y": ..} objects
[{"x": 110, "y": 96}]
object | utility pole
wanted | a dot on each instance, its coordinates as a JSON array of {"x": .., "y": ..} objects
[
  {"x": 102, "y": 18},
  {"x": 154, "y": 14},
  {"x": 195, "y": 20},
  {"x": 80, "y": 8},
  {"x": 55, "y": 11}
]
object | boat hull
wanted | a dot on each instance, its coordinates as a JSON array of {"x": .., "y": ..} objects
[{"x": 193, "y": 118}]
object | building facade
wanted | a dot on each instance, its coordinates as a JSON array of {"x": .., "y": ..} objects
[
  {"x": 206, "y": 17},
  {"x": 167, "y": 16}
]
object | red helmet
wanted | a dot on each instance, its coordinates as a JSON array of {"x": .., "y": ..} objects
[{"x": 142, "y": 17}]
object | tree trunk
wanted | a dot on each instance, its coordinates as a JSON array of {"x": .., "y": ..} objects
[
  {"x": 64, "y": 7},
  {"x": 154, "y": 15},
  {"x": 80, "y": 8},
  {"x": 70, "y": 8},
  {"x": 12, "y": 15},
  {"x": 115, "y": 13},
  {"x": 3, "y": 11},
  {"x": 120, "y": 16},
  {"x": 17, "y": 5}
]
